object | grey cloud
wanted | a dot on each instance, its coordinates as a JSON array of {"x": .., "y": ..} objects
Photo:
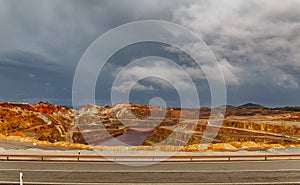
[
  {"x": 57, "y": 32},
  {"x": 257, "y": 43},
  {"x": 261, "y": 38},
  {"x": 19, "y": 58},
  {"x": 31, "y": 76}
]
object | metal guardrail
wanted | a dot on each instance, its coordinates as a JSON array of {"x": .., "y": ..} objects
[{"x": 43, "y": 157}]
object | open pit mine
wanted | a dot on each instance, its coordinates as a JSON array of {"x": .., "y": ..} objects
[{"x": 143, "y": 127}]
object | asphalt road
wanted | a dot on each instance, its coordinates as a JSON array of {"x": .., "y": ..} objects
[{"x": 230, "y": 172}]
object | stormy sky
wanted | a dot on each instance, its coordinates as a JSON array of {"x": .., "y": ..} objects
[{"x": 256, "y": 43}]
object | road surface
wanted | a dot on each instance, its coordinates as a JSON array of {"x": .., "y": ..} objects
[{"x": 229, "y": 172}]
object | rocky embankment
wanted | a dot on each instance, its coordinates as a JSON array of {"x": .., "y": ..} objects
[
  {"x": 41, "y": 121},
  {"x": 244, "y": 128}
]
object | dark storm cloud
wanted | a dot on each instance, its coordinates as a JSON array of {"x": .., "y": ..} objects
[
  {"x": 257, "y": 43},
  {"x": 26, "y": 76},
  {"x": 64, "y": 29},
  {"x": 20, "y": 59},
  {"x": 42, "y": 41}
]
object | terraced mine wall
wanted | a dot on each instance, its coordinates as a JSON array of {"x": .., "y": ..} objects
[
  {"x": 230, "y": 131},
  {"x": 96, "y": 131},
  {"x": 93, "y": 124},
  {"x": 42, "y": 121}
]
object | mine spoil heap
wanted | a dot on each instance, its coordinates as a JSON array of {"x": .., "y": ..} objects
[
  {"x": 41, "y": 121},
  {"x": 247, "y": 127}
]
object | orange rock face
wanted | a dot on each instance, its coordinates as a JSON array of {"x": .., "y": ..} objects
[
  {"x": 41, "y": 121},
  {"x": 244, "y": 128}
]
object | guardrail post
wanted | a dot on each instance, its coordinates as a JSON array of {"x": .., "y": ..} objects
[
  {"x": 228, "y": 158},
  {"x": 7, "y": 158},
  {"x": 78, "y": 156},
  {"x": 21, "y": 178},
  {"x": 265, "y": 157}
]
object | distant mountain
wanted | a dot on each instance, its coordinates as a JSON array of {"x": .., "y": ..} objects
[
  {"x": 225, "y": 106},
  {"x": 288, "y": 108},
  {"x": 252, "y": 106}
]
